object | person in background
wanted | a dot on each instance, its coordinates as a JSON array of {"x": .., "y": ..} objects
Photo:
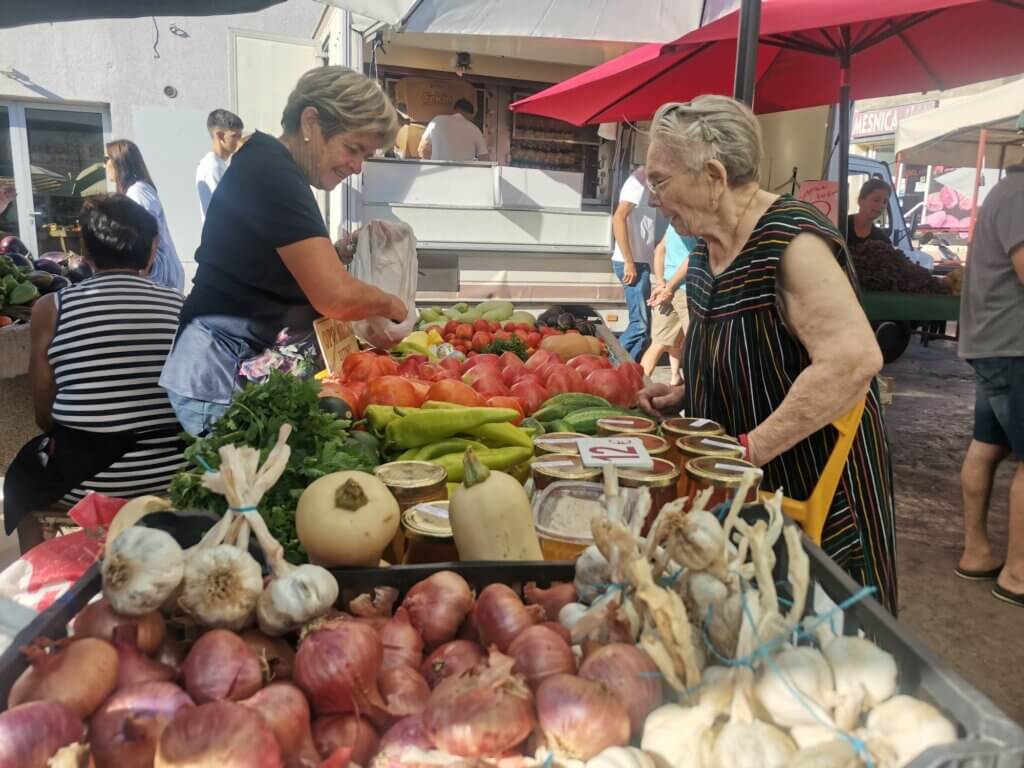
[
  {"x": 992, "y": 341},
  {"x": 266, "y": 262},
  {"x": 454, "y": 136},
  {"x": 225, "y": 136},
  {"x": 96, "y": 350},
  {"x": 633, "y": 228},
  {"x": 669, "y": 315},
  {"x": 872, "y": 200},
  {"x": 127, "y": 170}
]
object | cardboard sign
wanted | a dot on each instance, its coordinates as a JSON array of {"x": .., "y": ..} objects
[
  {"x": 823, "y": 195},
  {"x": 336, "y": 342},
  {"x": 619, "y": 451},
  {"x": 424, "y": 98}
]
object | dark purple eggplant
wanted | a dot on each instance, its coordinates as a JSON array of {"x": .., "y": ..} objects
[
  {"x": 58, "y": 283},
  {"x": 47, "y": 265}
]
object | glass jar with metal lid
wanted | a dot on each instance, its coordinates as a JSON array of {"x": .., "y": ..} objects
[
  {"x": 693, "y": 447},
  {"x": 411, "y": 483},
  {"x": 557, "y": 442},
  {"x": 625, "y": 426},
  {"x": 554, "y": 467},
  {"x": 660, "y": 480},
  {"x": 428, "y": 534},
  {"x": 723, "y": 475},
  {"x": 656, "y": 446},
  {"x": 686, "y": 426}
]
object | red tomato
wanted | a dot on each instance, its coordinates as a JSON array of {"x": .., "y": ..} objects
[
  {"x": 449, "y": 391},
  {"x": 366, "y": 366},
  {"x": 530, "y": 394},
  {"x": 410, "y": 367},
  {"x": 478, "y": 372},
  {"x": 541, "y": 356},
  {"x": 502, "y": 335},
  {"x": 529, "y": 377},
  {"x": 429, "y": 372},
  {"x": 392, "y": 390},
  {"x": 449, "y": 328},
  {"x": 481, "y": 340},
  {"x": 464, "y": 331},
  {"x": 421, "y": 388},
  {"x": 533, "y": 339},
  {"x": 598, "y": 361},
  {"x": 494, "y": 327},
  {"x": 484, "y": 359},
  {"x": 512, "y": 360},
  {"x": 504, "y": 401},
  {"x": 522, "y": 335},
  {"x": 451, "y": 363},
  {"x": 634, "y": 373},
  {"x": 563, "y": 379},
  {"x": 481, "y": 325},
  {"x": 612, "y": 386},
  {"x": 490, "y": 386},
  {"x": 510, "y": 374},
  {"x": 354, "y": 394},
  {"x": 546, "y": 331},
  {"x": 447, "y": 374},
  {"x": 509, "y": 326}
]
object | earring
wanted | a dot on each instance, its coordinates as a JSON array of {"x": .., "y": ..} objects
[{"x": 306, "y": 138}]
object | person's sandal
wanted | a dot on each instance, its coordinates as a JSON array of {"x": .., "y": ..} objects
[
  {"x": 1007, "y": 596},
  {"x": 970, "y": 575}
]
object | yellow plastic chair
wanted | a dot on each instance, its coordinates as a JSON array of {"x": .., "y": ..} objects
[{"x": 811, "y": 514}]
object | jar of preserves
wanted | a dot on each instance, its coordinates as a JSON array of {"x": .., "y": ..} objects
[
  {"x": 554, "y": 467},
  {"x": 557, "y": 442},
  {"x": 694, "y": 447},
  {"x": 625, "y": 426},
  {"x": 685, "y": 426},
  {"x": 722, "y": 475},
  {"x": 428, "y": 534},
  {"x": 411, "y": 483},
  {"x": 660, "y": 480}
]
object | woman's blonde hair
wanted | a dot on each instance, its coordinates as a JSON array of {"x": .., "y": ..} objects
[
  {"x": 712, "y": 128},
  {"x": 345, "y": 101}
]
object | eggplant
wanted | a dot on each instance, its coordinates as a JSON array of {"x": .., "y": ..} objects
[
  {"x": 80, "y": 273},
  {"x": 58, "y": 283},
  {"x": 20, "y": 260},
  {"x": 48, "y": 265},
  {"x": 40, "y": 278}
]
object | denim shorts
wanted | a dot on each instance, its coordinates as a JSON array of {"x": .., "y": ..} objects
[
  {"x": 999, "y": 402},
  {"x": 196, "y": 416}
]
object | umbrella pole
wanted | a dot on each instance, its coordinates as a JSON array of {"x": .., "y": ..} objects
[
  {"x": 982, "y": 141},
  {"x": 746, "y": 51},
  {"x": 844, "y": 143}
]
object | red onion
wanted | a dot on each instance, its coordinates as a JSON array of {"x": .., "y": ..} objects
[
  {"x": 484, "y": 712},
  {"x": 277, "y": 658},
  {"x": 631, "y": 676},
  {"x": 286, "y": 711},
  {"x": 221, "y": 734},
  {"x": 539, "y": 653},
  {"x": 563, "y": 633},
  {"x": 590, "y": 647},
  {"x": 579, "y": 718},
  {"x": 438, "y": 605},
  {"x": 339, "y": 758},
  {"x": 450, "y": 659},
  {"x": 30, "y": 734},
  {"x": 132, "y": 666},
  {"x": 404, "y": 690},
  {"x": 407, "y": 732},
  {"x": 99, "y": 620},
  {"x": 553, "y": 599},
  {"x": 172, "y": 653},
  {"x": 334, "y": 731},
  {"x": 337, "y": 668},
  {"x": 377, "y": 605},
  {"x": 77, "y": 673},
  {"x": 402, "y": 644},
  {"x": 500, "y": 616},
  {"x": 124, "y": 732},
  {"x": 221, "y": 666}
]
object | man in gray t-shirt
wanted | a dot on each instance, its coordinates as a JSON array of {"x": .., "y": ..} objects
[{"x": 992, "y": 340}]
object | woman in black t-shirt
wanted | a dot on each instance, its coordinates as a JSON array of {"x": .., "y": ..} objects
[
  {"x": 266, "y": 261},
  {"x": 871, "y": 204}
]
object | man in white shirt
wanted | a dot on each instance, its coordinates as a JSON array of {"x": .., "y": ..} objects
[
  {"x": 633, "y": 228},
  {"x": 454, "y": 136},
  {"x": 225, "y": 136}
]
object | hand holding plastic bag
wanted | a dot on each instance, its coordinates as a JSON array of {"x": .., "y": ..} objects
[{"x": 386, "y": 258}]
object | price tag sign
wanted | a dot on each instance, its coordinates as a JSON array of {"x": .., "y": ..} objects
[
  {"x": 618, "y": 451},
  {"x": 336, "y": 342}
]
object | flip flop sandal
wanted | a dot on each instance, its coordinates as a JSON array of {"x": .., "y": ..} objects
[
  {"x": 1007, "y": 596},
  {"x": 970, "y": 575}
]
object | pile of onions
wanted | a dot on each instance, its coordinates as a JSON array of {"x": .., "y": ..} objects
[
  {"x": 275, "y": 654},
  {"x": 558, "y": 628},
  {"x": 402, "y": 644},
  {"x": 452, "y": 658},
  {"x": 404, "y": 690},
  {"x": 335, "y": 731},
  {"x": 99, "y": 620},
  {"x": 631, "y": 675},
  {"x": 485, "y": 712},
  {"x": 284, "y": 708},
  {"x": 501, "y": 617},
  {"x": 80, "y": 674},
  {"x": 124, "y": 731},
  {"x": 539, "y": 653},
  {"x": 580, "y": 718},
  {"x": 133, "y": 667},
  {"x": 337, "y": 668},
  {"x": 553, "y": 599},
  {"x": 221, "y": 734},
  {"x": 172, "y": 653},
  {"x": 30, "y": 734},
  {"x": 221, "y": 666},
  {"x": 438, "y": 605}
]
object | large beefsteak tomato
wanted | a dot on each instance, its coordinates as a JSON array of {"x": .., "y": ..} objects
[
  {"x": 562, "y": 378},
  {"x": 612, "y": 386},
  {"x": 367, "y": 366},
  {"x": 454, "y": 391},
  {"x": 506, "y": 401},
  {"x": 531, "y": 394},
  {"x": 392, "y": 390}
]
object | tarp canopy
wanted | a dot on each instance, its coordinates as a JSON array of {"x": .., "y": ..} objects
[
  {"x": 949, "y": 135},
  {"x": 16, "y": 13}
]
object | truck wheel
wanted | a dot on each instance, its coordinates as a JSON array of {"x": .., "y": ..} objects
[{"x": 893, "y": 337}]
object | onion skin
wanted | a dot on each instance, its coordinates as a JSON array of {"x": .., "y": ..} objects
[
  {"x": 335, "y": 731},
  {"x": 452, "y": 658},
  {"x": 284, "y": 708},
  {"x": 437, "y": 606},
  {"x": 405, "y": 691},
  {"x": 631, "y": 675},
  {"x": 173, "y": 654},
  {"x": 32, "y": 733},
  {"x": 539, "y": 653},
  {"x": 221, "y": 734},
  {"x": 337, "y": 668},
  {"x": 563, "y": 633},
  {"x": 124, "y": 731},
  {"x": 402, "y": 644},
  {"x": 80, "y": 674},
  {"x": 500, "y": 616},
  {"x": 407, "y": 732},
  {"x": 100, "y": 620},
  {"x": 133, "y": 666},
  {"x": 220, "y": 666},
  {"x": 579, "y": 718},
  {"x": 277, "y": 657},
  {"x": 553, "y": 599}
]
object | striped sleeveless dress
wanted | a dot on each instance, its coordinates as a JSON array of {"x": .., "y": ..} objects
[
  {"x": 114, "y": 332},
  {"x": 739, "y": 363}
]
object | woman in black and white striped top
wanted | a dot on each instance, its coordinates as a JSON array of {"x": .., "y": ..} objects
[{"x": 97, "y": 349}]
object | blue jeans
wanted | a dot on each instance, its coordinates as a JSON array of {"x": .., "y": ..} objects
[
  {"x": 637, "y": 335},
  {"x": 196, "y": 416}
]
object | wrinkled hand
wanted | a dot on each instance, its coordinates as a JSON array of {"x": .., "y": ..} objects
[
  {"x": 397, "y": 311},
  {"x": 658, "y": 398},
  {"x": 346, "y": 246},
  {"x": 629, "y": 274},
  {"x": 661, "y": 294}
]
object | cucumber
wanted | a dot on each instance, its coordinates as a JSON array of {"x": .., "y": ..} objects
[
  {"x": 560, "y": 425},
  {"x": 585, "y": 420},
  {"x": 575, "y": 401},
  {"x": 532, "y": 423},
  {"x": 550, "y": 412}
]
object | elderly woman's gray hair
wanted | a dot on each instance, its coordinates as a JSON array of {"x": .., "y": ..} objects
[
  {"x": 345, "y": 101},
  {"x": 712, "y": 128}
]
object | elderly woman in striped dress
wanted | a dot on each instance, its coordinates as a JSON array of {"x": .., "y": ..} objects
[{"x": 779, "y": 346}]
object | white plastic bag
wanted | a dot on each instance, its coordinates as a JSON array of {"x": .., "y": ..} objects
[{"x": 386, "y": 258}]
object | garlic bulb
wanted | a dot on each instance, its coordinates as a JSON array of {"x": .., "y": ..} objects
[
  {"x": 903, "y": 727},
  {"x": 592, "y": 575},
  {"x": 570, "y": 614},
  {"x": 834, "y": 753},
  {"x": 864, "y": 674},
  {"x": 751, "y": 745},
  {"x": 221, "y": 587},
  {"x": 807, "y": 736},
  {"x": 795, "y": 686},
  {"x": 141, "y": 569},
  {"x": 622, "y": 757},
  {"x": 678, "y": 736}
]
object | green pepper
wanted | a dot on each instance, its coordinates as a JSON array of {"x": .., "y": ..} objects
[
  {"x": 493, "y": 458},
  {"x": 408, "y": 455},
  {"x": 502, "y": 434},
  {"x": 23, "y": 293},
  {"x": 380, "y": 416},
  {"x": 437, "y": 405},
  {"x": 427, "y": 427},
  {"x": 450, "y": 445}
]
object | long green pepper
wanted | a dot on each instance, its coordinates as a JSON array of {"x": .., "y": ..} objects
[
  {"x": 428, "y": 427},
  {"x": 493, "y": 458}
]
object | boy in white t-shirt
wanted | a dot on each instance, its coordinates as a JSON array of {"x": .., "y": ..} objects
[
  {"x": 454, "y": 136},
  {"x": 225, "y": 136},
  {"x": 633, "y": 228}
]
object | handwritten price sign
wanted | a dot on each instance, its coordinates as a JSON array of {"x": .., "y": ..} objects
[{"x": 619, "y": 451}]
